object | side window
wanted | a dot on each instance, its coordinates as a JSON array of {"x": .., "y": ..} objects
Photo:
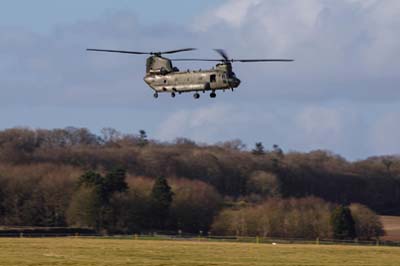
[{"x": 213, "y": 78}]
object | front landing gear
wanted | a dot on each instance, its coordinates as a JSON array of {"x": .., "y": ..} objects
[
  {"x": 196, "y": 95},
  {"x": 155, "y": 95},
  {"x": 213, "y": 95},
  {"x": 173, "y": 94}
]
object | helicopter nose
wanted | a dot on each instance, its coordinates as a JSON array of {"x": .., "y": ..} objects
[
  {"x": 237, "y": 82},
  {"x": 234, "y": 82}
]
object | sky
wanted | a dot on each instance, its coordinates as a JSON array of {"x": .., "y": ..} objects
[{"x": 341, "y": 94}]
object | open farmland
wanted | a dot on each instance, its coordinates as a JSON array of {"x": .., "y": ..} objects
[
  {"x": 80, "y": 251},
  {"x": 391, "y": 225}
]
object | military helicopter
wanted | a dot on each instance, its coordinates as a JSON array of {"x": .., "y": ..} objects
[{"x": 162, "y": 76}]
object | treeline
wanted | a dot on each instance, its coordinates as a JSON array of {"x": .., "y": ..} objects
[
  {"x": 52, "y": 196},
  {"x": 41, "y": 171},
  {"x": 300, "y": 218},
  {"x": 108, "y": 203},
  {"x": 113, "y": 202},
  {"x": 229, "y": 167}
]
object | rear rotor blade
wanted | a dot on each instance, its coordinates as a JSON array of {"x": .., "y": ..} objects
[
  {"x": 260, "y": 60},
  {"x": 234, "y": 60},
  {"x": 222, "y": 53},
  {"x": 116, "y": 51}
]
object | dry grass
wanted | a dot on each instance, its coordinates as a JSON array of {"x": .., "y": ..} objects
[
  {"x": 391, "y": 225},
  {"x": 79, "y": 251}
]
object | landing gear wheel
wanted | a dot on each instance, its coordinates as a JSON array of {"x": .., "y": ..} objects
[
  {"x": 155, "y": 95},
  {"x": 213, "y": 95},
  {"x": 173, "y": 94},
  {"x": 196, "y": 95}
]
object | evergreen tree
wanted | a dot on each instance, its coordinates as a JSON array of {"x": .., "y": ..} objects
[
  {"x": 90, "y": 178},
  {"x": 161, "y": 199},
  {"x": 258, "y": 149},
  {"x": 98, "y": 190},
  {"x": 88, "y": 201},
  {"x": 277, "y": 150},
  {"x": 114, "y": 181},
  {"x": 278, "y": 155},
  {"x": 143, "y": 141},
  {"x": 343, "y": 224}
]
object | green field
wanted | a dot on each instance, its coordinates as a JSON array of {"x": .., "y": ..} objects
[{"x": 80, "y": 251}]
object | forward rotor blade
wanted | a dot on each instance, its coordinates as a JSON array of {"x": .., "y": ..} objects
[
  {"x": 177, "y": 51},
  {"x": 116, "y": 51}
]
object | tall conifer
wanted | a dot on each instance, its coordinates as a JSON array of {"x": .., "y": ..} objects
[
  {"x": 343, "y": 223},
  {"x": 161, "y": 199}
]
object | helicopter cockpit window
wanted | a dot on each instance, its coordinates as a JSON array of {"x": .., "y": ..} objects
[{"x": 213, "y": 78}]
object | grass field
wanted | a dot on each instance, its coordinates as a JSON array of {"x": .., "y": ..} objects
[{"x": 80, "y": 251}]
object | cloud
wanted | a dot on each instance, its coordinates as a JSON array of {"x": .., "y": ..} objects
[
  {"x": 205, "y": 124},
  {"x": 320, "y": 126},
  {"x": 346, "y": 66},
  {"x": 336, "y": 127},
  {"x": 383, "y": 138},
  {"x": 343, "y": 49},
  {"x": 232, "y": 13},
  {"x": 54, "y": 68},
  {"x": 345, "y": 129}
]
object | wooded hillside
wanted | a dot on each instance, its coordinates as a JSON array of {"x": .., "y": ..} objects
[{"x": 39, "y": 171}]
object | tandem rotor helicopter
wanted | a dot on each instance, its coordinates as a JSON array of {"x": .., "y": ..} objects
[{"x": 162, "y": 76}]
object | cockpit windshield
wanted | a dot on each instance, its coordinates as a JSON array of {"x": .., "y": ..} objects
[{"x": 169, "y": 64}]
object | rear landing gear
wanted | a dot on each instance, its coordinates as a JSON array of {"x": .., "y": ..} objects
[
  {"x": 196, "y": 95},
  {"x": 213, "y": 95},
  {"x": 155, "y": 95},
  {"x": 173, "y": 94}
]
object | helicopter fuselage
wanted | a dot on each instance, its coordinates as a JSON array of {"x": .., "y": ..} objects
[
  {"x": 189, "y": 81},
  {"x": 162, "y": 77}
]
